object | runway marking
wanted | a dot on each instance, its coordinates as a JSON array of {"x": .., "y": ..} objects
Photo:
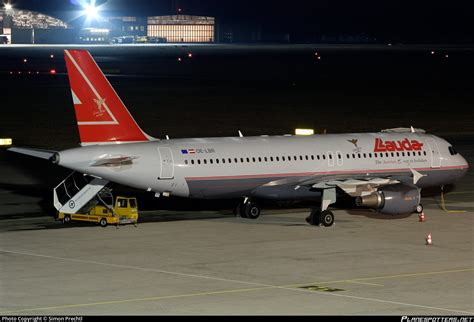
[
  {"x": 293, "y": 287},
  {"x": 138, "y": 268},
  {"x": 157, "y": 298},
  {"x": 390, "y": 276},
  {"x": 364, "y": 283}
]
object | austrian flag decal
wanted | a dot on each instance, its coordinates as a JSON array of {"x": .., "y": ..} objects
[{"x": 404, "y": 145}]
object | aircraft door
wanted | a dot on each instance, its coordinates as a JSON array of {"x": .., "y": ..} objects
[
  {"x": 167, "y": 164},
  {"x": 434, "y": 153}
]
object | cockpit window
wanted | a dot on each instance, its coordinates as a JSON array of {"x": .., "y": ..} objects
[{"x": 452, "y": 150}]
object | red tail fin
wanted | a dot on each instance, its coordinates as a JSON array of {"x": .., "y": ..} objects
[{"x": 101, "y": 115}]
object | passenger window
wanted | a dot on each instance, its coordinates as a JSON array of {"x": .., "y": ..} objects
[
  {"x": 301, "y": 157},
  {"x": 185, "y": 161},
  {"x": 242, "y": 160},
  {"x": 403, "y": 154},
  {"x": 318, "y": 157},
  {"x": 283, "y": 158},
  {"x": 271, "y": 159},
  {"x": 386, "y": 154},
  {"x": 236, "y": 160},
  {"x": 265, "y": 159},
  {"x": 277, "y": 158},
  {"x": 306, "y": 157},
  {"x": 365, "y": 156},
  {"x": 370, "y": 155},
  {"x": 230, "y": 160},
  {"x": 347, "y": 156},
  {"x": 398, "y": 154},
  {"x": 324, "y": 157},
  {"x": 424, "y": 152},
  {"x": 223, "y": 160},
  {"x": 253, "y": 159},
  {"x": 392, "y": 154},
  {"x": 211, "y": 161},
  {"x": 312, "y": 157},
  {"x": 192, "y": 161},
  {"x": 205, "y": 161},
  {"x": 259, "y": 159},
  {"x": 199, "y": 161},
  {"x": 217, "y": 161},
  {"x": 295, "y": 158},
  {"x": 358, "y": 155}
]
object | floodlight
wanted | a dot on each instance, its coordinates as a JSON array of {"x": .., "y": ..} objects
[
  {"x": 91, "y": 11},
  {"x": 8, "y": 6}
]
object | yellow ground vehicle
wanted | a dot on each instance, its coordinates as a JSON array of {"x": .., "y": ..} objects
[{"x": 124, "y": 211}]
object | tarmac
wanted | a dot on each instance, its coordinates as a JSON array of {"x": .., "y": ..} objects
[{"x": 212, "y": 263}]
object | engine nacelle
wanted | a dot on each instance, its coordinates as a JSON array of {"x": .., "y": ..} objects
[{"x": 393, "y": 200}]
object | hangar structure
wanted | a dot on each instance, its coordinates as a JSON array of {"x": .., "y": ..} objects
[
  {"x": 29, "y": 27},
  {"x": 182, "y": 28}
]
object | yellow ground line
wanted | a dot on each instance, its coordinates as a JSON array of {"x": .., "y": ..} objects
[
  {"x": 356, "y": 280},
  {"x": 364, "y": 283},
  {"x": 386, "y": 277},
  {"x": 137, "y": 300}
]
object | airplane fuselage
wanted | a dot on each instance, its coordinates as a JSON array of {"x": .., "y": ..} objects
[{"x": 255, "y": 166}]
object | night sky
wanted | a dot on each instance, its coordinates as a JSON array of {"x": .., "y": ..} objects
[{"x": 397, "y": 20}]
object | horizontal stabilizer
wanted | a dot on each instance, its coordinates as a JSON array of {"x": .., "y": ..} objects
[{"x": 37, "y": 153}]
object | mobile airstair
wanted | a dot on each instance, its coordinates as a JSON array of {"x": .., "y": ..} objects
[{"x": 78, "y": 191}]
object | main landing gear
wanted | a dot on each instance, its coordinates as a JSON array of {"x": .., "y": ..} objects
[
  {"x": 248, "y": 209},
  {"x": 323, "y": 216}
]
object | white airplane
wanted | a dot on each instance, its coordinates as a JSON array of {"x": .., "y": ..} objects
[{"x": 383, "y": 171}]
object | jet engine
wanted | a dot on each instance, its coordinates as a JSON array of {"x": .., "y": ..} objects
[{"x": 392, "y": 200}]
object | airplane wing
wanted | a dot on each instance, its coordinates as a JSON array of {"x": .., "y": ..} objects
[
  {"x": 355, "y": 186},
  {"x": 37, "y": 153}
]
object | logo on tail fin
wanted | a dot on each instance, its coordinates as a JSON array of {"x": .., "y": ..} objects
[{"x": 100, "y": 110}]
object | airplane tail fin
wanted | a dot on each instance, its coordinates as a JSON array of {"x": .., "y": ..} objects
[{"x": 101, "y": 115}]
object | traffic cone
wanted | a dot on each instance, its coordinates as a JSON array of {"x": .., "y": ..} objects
[
  {"x": 421, "y": 217},
  {"x": 428, "y": 240}
]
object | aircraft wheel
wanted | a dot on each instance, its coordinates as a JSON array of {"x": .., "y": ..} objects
[
  {"x": 66, "y": 219},
  {"x": 240, "y": 210},
  {"x": 326, "y": 218},
  {"x": 419, "y": 208},
  {"x": 103, "y": 222},
  {"x": 252, "y": 211},
  {"x": 313, "y": 218}
]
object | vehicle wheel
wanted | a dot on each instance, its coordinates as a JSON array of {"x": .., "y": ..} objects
[
  {"x": 313, "y": 218},
  {"x": 419, "y": 208},
  {"x": 103, "y": 222},
  {"x": 326, "y": 218},
  {"x": 252, "y": 211},
  {"x": 66, "y": 219}
]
